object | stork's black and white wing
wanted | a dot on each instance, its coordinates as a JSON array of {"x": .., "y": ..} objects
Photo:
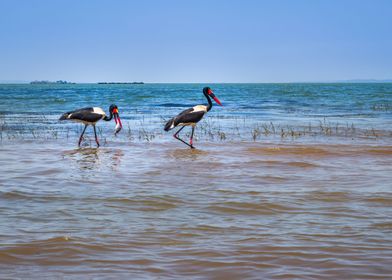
[
  {"x": 88, "y": 115},
  {"x": 187, "y": 117}
]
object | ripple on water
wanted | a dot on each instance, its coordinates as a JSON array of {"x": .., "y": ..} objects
[
  {"x": 249, "y": 208},
  {"x": 226, "y": 210},
  {"x": 144, "y": 203}
]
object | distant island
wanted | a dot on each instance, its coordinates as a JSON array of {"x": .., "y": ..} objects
[
  {"x": 50, "y": 82},
  {"x": 61, "y": 82},
  {"x": 121, "y": 83},
  {"x": 366, "y": 81}
]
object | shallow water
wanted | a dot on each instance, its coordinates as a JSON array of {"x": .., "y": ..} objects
[
  {"x": 287, "y": 181},
  {"x": 230, "y": 210}
]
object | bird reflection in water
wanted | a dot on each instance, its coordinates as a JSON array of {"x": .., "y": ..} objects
[
  {"x": 116, "y": 156},
  {"x": 93, "y": 159}
]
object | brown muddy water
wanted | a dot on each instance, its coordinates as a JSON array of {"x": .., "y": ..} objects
[{"x": 233, "y": 210}]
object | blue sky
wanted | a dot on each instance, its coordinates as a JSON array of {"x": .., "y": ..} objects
[{"x": 195, "y": 41}]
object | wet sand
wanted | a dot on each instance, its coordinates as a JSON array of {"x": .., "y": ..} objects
[{"x": 230, "y": 210}]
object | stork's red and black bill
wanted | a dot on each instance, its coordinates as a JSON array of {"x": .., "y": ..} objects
[{"x": 117, "y": 120}]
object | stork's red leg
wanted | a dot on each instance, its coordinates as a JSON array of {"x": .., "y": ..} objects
[
  {"x": 175, "y": 135},
  {"x": 81, "y": 135},
  {"x": 96, "y": 138}
]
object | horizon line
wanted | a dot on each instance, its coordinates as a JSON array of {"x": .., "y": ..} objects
[
  {"x": 280, "y": 82},
  {"x": 190, "y": 83}
]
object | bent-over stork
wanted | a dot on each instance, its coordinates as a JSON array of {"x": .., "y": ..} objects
[
  {"x": 90, "y": 116},
  {"x": 191, "y": 116}
]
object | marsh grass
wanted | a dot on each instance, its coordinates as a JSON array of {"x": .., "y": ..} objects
[
  {"x": 148, "y": 129},
  {"x": 322, "y": 128}
]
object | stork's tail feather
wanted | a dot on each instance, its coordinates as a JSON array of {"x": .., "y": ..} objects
[
  {"x": 169, "y": 125},
  {"x": 64, "y": 117}
]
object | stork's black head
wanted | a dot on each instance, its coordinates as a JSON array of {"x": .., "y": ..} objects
[
  {"x": 113, "y": 109},
  {"x": 208, "y": 91}
]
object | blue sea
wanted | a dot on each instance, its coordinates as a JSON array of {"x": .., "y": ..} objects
[{"x": 266, "y": 108}]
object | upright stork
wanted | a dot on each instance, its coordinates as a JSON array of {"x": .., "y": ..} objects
[
  {"x": 191, "y": 116},
  {"x": 90, "y": 116}
]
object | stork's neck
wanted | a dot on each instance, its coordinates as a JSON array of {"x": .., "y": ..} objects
[
  {"x": 106, "y": 118},
  {"x": 209, "y": 106}
]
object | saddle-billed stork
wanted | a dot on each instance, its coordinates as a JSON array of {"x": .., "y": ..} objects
[
  {"x": 90, "y": 116},
  {"x": 191, "y": 116}
]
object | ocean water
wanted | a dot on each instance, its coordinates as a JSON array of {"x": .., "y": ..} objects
[
  {"x": 288, "y": 181},
  {"x": 250, "y": 111}
]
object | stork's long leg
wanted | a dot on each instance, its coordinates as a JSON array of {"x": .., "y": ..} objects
[
  {"x": 96, "y": 138},
  {"x": 81, "y": 135},
  {"x": 191, "y": 140},
  {"x": 175, "y": 135}
]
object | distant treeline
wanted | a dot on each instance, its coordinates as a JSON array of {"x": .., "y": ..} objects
[{"x": 49, "y": 82}]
